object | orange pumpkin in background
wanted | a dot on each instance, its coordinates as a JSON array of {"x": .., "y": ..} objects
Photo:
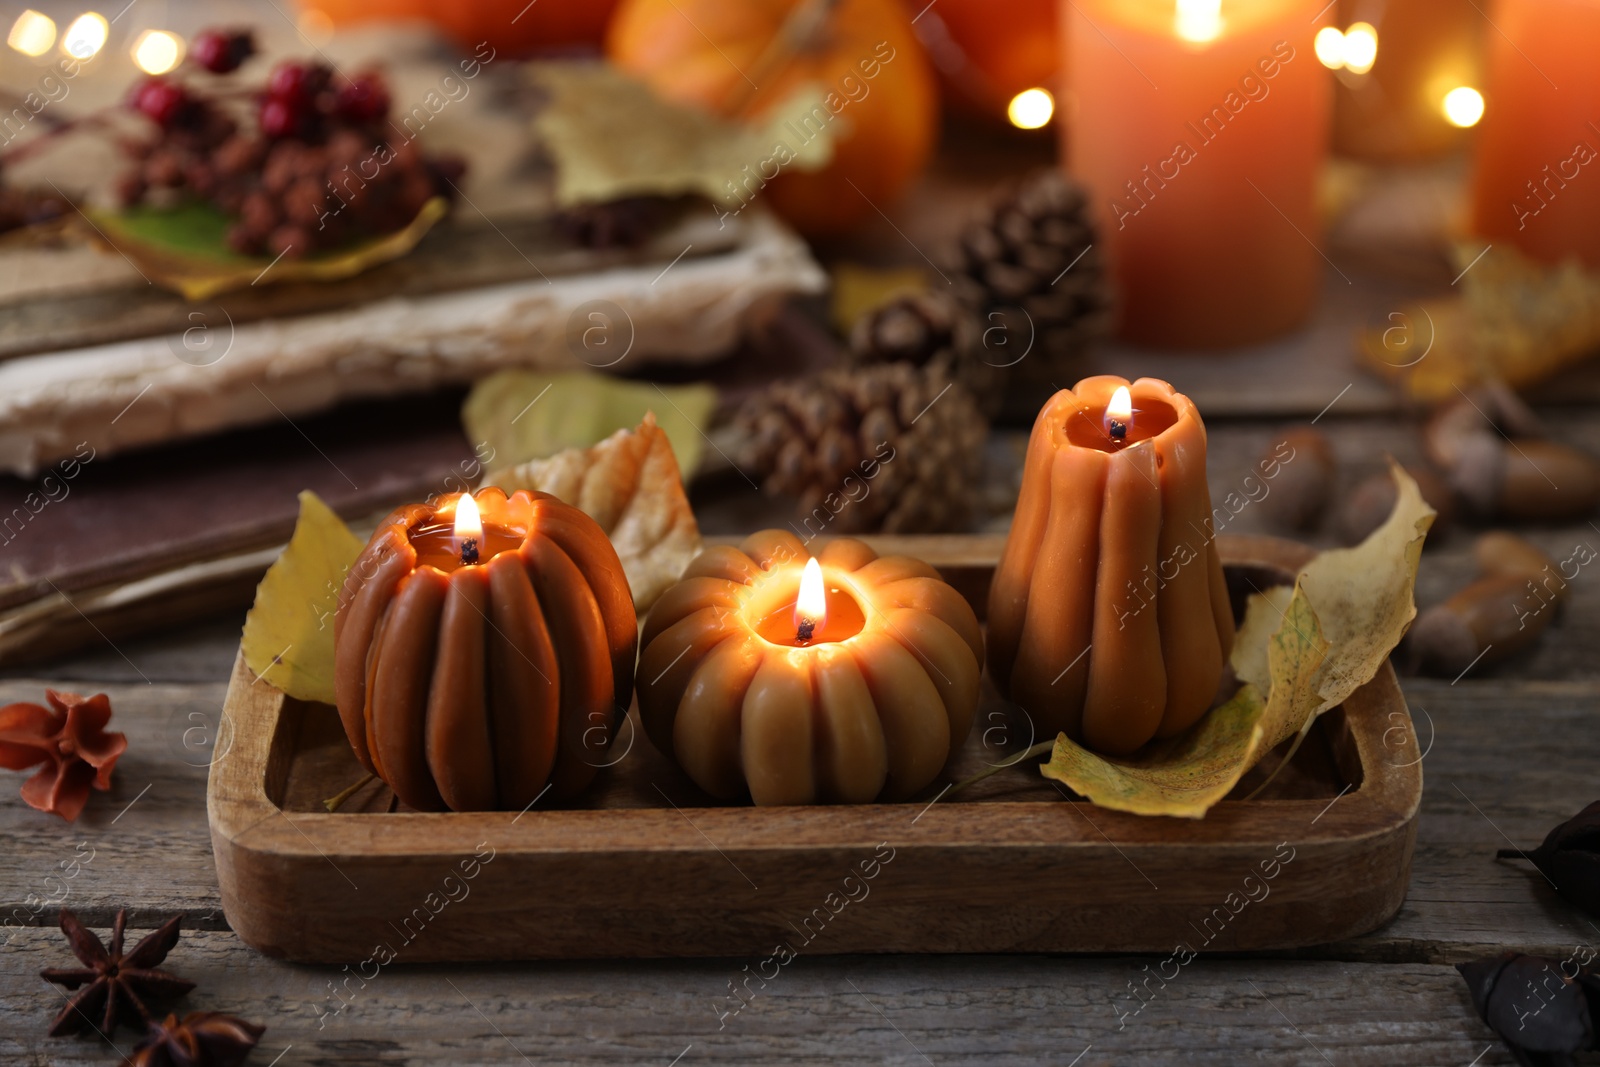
[
  {"x": 988, "y": 51},
  {"x": 742, "y": 58},
  {"x": 512, "y": 28}
]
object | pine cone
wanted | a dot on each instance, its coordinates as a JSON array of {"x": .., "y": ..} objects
[
  {"x": 930, "y": 329},
  {"x": 1029, "y": 263},
  {"x": 891, "y": 447}
]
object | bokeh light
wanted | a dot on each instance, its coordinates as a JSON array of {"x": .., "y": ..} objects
[
  {"x": 1463, "y": 106},
  {"x": 1360, "y": 47},
  {"x": 1031, "y": 109},
  {"x": 86, "y": 36},
  {"x": 32, "y": 34},
  {"x": 157, "y": 51}
]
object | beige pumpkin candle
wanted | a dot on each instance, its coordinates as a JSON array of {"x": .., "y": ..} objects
[
  {"x": 843, "y": 678},
  {"x": 484, "y": 650},
  {"x": 1108, "y": 616}
]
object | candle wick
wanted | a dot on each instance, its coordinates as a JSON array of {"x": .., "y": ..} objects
[
  {"x": 807, "y": 628},
  {"x": 469, "y": 551},
  {"x": 1119, "y": 430}
]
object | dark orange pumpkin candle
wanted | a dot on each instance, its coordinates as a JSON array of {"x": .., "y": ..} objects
[
  {"x": 484, "y": 649},
  {"x": 1108, "y": 616}
]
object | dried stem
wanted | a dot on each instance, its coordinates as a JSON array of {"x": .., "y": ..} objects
[
  {"x": 1037, "y": 750},
  {"x": 334, "y": 803}
]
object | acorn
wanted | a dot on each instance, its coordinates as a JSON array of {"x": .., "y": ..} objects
[
  {"x": 1494, "y": 455},
  {"x": 1302, "y": 470},
  {"x": 1495, "y": 617},
  {"x": 1371, "y": 501}
]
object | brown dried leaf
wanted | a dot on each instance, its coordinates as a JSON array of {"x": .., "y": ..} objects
[{"x": 630, "y": 484}]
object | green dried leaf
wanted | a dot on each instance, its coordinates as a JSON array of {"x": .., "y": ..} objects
[
  {"x": 612, "y": 137},
  {"x": 185, "y": 249},
  {"x": 523, "y": 415}
]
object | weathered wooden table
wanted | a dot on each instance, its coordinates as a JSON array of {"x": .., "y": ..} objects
[{"x": 1509, "y": 753}]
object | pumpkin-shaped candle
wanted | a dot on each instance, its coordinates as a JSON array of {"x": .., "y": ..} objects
[
  {"x": 484, "y": 649},
  {"x": 800, "y": 680},
  {"x": 1108, "y": 615}
]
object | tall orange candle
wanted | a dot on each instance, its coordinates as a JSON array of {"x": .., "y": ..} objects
[
  {"x": 1537, "y": 180},
  {"x": 840, "y": 678},
  {"x": 1108, "y": 616},
  {"x": 1200, "y": 127}
]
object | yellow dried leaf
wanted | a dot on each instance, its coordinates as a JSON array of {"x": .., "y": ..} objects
[
  {"x": 185, "y": 251},
  {"x": 857, "y": 290},
  {"x": 1308, "y": 649},
  {"x": 629, "y": 484},
  {"x": 521, "y": 415},
  {"x": 1184, "y": 775},
  {"x": 612, "y": 137},
  {"x": 1517, "y": 321},
  {"x": 288, "y": 635}
]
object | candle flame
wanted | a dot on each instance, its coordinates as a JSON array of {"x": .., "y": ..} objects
[
  {"x": 1199, "y": 20},
  {"x": 812, "y": 604},
  {"x": 468, "y": 521},
  {"x": 1121, "y": 406}
]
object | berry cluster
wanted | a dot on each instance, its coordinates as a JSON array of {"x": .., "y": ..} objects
[{"x": 318, "y": 170}]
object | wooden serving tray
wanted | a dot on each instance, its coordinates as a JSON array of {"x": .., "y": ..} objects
[{"x": 646, "y": 865}]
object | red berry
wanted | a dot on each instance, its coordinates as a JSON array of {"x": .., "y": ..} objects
[
  {"x": 280, "y": 118},
  {"x": 289, "y": 82},
  {"x": 159, "y": 100},
  {"x": 366, "y": 99},
  {"x": 221, "y": 52}
]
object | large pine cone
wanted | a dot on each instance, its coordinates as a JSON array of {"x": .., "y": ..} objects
[
  {"x": 1029, "y": 267},
  {"x": 934, "y": 330},
  {"x": 892, "y": 447}
]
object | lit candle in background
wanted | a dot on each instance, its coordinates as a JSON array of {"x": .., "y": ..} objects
[
  {"x": 1406, "y": 81},
  {"x": 1537, "y": 179},
  {"x": 1200, "y": 127}
]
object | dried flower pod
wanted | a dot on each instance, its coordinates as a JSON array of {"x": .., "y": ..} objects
[
  {"x": 1489, "y": 621},
  {"x": 1570, "y": 858},
  {"x": 200, "y": 1039},
  {"x": 1371, "y": 501},
  {"x": 1542, "y": 1009},
  {"x": 1304, "y": 473}
]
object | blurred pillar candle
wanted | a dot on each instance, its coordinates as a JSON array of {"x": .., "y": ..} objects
[
  {"x": 1200, "y": 127},
  {"x": 1108, "y": 616},
  {"x": 840, "y": 678},
  {"x": 1537, "y": 182},
  {"x": 1395, "y": 109}
]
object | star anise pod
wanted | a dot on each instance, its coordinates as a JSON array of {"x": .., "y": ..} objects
[
  {"x": 70, "y": 739},
  {"x": 114, "y": 985},
  {"x": 201, "y": 1039},
  {"x": 1570, "y": 858}
]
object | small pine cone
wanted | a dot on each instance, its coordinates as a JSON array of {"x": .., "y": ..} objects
[
  {"x": 1030, "y": 264},
  {"x": 890, "y": 447},
  {"x": 930, "y": 329}
]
